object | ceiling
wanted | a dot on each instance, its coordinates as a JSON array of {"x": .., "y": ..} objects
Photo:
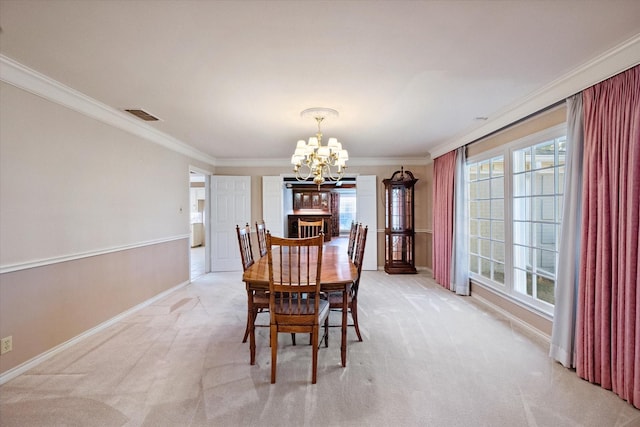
[{"x": 230, "y": 78}]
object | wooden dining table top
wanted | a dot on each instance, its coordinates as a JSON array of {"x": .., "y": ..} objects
[{"x": 337, "y": 270}]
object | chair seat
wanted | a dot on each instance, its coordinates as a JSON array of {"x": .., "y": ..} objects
[{"x": 286, "y": 307}]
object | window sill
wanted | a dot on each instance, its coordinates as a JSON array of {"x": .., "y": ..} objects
[{"x": 475, "y": 280}]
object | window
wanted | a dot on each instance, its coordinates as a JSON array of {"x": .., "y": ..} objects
[
  {"x": 486, "y": 218},
  {"x": 515, "y": 211},
  {"x": 347, "y": 210},
  {"x": 538, "y": 181}
]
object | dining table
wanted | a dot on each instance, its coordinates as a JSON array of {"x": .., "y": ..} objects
[{"x": 337, "y": 274}]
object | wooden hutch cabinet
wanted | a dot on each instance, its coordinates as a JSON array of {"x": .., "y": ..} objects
[
  {"x": 399, "y": 234},
  {"x": 316, "y": 200},
  {"x": 310, "y": 205}
]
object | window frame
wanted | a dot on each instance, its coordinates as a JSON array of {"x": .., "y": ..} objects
[
  {"x": 507, "y": 290},
  {"x": 491, "y": 219}
]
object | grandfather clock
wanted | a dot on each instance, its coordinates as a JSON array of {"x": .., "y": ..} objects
[{"x": 399, "y": 234}]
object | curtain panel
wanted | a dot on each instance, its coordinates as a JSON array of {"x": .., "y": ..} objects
[
  {"x": 460, "y": 249},
  {"x": 608, "y": 318},
  {"x": 564, "y": 313},
  {"x": 444, "y": 168}
]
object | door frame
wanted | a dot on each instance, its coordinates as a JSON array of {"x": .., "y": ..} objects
[{"x": 207, "y": 201}]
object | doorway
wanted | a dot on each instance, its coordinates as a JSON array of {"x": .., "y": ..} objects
[
  {"x": 347, "y": 209},
  {"x": 197, "y": 211}
]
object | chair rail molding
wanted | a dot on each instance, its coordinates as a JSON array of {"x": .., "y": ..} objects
[{"x": 8, "y": 268}]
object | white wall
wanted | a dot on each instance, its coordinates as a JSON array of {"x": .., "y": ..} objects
[{"x": 71, "y": 184}]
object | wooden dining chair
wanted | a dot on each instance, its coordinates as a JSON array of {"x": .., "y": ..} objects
[
  {"x": 309, "y": 228},
  {"x": 353, "y": 232},
  {"x": 261, "y": 232},
  {"x": 295, "y": 305},
  {"x": 335, "y": 298},
  {"x": 257, "y": 301},
  {"x": 244, "y": 242}
]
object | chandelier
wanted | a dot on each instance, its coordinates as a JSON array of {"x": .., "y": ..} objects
[{"x": 323, "y": 162}]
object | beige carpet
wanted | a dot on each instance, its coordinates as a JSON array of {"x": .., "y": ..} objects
[{"x": 429, "y": 358}]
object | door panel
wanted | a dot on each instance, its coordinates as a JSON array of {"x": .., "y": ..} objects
[
  {"x": 272, "y": 204},
  {"x": 366, "y": 214},
  {"x": 230, "y": 206}
]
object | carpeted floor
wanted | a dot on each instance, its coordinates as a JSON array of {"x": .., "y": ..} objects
[{"x": 429, "y": 358}]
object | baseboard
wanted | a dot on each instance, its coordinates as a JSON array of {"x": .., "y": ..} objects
[
  {"x": 426, "y": 270},
  {"x": 513, "y": 318},
  {"x": 35, "y": 361}
]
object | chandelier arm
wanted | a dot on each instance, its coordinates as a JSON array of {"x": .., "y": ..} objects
[
  {"x": 300, "y": 176},
  {"x": 330, "y": 175},
  {"x": 332, "y": 160}
]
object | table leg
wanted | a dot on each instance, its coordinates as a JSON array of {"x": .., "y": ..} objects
[{"x": 252, "y": 329}]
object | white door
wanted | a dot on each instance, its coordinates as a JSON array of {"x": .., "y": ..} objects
[
  {"x": 272, "y": 204},
  {"x": 230, "y": 206},
  {"x": 366, "y": 209}
]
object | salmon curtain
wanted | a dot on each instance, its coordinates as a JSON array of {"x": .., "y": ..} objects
[
  {"x": 444, "y": 168},
  {"x": 608, "y": 318}
]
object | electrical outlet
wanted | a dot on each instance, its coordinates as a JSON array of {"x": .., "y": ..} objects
[{"x": 6, "y": 344}]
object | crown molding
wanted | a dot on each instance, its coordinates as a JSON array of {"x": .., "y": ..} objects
[
  {"x": 20, "y": 76},
  {"x": 360, "y": 161},
  {"x": 391, "y": 161},
  {"x": 614, "y": 61},
  {"x": 252, "y": 162}
]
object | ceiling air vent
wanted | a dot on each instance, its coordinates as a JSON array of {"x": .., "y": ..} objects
[{"x": 141, "y": 114}]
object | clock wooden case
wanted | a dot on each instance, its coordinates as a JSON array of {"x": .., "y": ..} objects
[{"x": 399, "y": 234}]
